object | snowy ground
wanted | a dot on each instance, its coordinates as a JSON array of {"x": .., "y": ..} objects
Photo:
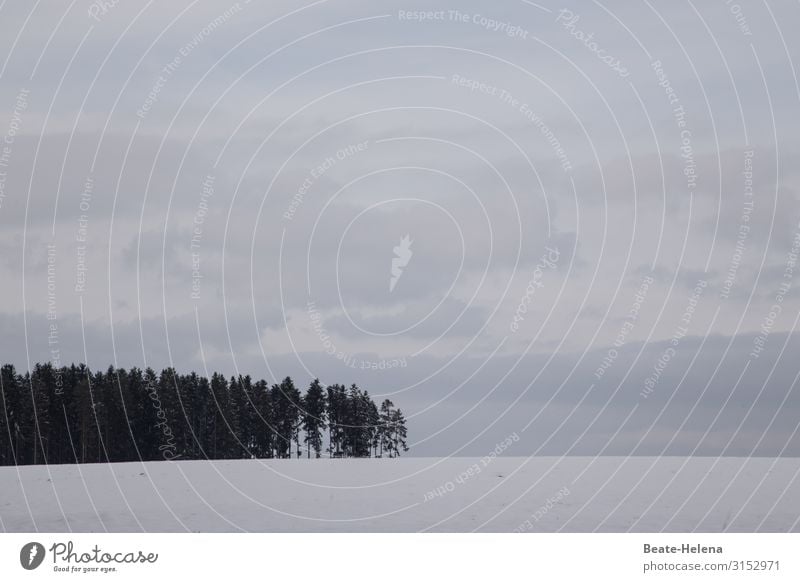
[{"x": 454, "y": 495}]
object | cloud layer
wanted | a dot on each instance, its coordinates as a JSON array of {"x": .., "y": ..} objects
[{"x": 601, "y": 201}]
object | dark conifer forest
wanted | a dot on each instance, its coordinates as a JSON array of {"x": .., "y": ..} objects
[{"x": 75, "y": 415}]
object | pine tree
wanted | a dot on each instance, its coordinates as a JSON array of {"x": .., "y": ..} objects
[
  {"x": 9, "y": 433},
  {"x": 263, "y": 421},
  {"x": 385, "y": 428},
  {"x": 286, "y": 407},
  {"x": 134, "y": 403},
  {"x": 374, "y": 422},
  {"x": 314, "y": 418},
  {"x": 399, "y": 432},
  {"x": 238, "y": 420},
  {"x": 352, "y": 422},
  {"x": 170, "y": 414},
  {"x": 192, "y": 392},
  {"x": 337, "y": 402},
  {"x": 40, "y": 399},
  {"x": 358, "y": 430},
  {"x": 219, "y": 429}
]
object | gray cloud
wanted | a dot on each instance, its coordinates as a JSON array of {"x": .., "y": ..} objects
[{"x": 466, "y": 134}]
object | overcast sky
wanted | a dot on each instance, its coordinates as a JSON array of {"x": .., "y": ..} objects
[{"x": 600, "y": 202}]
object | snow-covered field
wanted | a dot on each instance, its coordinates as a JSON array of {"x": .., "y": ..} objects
[{"x": 413, "y": 494}]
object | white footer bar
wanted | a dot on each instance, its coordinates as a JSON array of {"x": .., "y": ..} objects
[{"x": 400, "y": 557}]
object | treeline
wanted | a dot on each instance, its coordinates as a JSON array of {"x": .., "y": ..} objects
[{"x": 74, "y": 415}]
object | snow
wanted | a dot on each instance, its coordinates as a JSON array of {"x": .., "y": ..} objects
[{"x": 410, "y": 494}]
